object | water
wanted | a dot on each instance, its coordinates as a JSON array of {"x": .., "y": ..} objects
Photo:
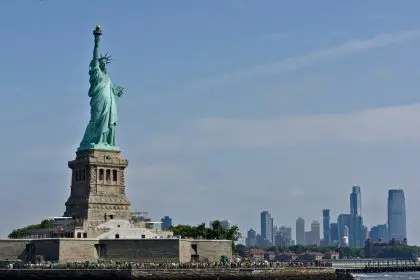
[{"x": 389, "y": 276}]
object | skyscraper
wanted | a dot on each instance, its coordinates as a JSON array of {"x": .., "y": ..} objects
[
  {"x": 300, "y": 231},
  {"x": 326, "y": 226},
  {"x": 166, "y": 223},
  {"x": 345, "y": 239},
  {"x": 334, "y": 233},
  {"x": 379, "y": 233},
  {"x": 315, "y": 233},
  {"x": 356, "y": 201},
  {"x": 267, "y": 227},
  {"x": 225, "y": 224},
  {"x": 283, "y": 236},
  {"x": 356, "y": 228},
  {"x": 251, "y": 239},
  {"x": 343, "y": 221},
  {"x": 397, "y": 228},
  {"x": 356, "y": 232}
]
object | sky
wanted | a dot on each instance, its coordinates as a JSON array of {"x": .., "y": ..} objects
[{"x": 231, "y": 107}]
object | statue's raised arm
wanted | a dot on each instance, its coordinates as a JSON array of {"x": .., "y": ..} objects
[{"x": 97, "y": 37}]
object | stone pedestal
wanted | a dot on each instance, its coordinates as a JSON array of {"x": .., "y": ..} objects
[{"x": 97, "y": 187}]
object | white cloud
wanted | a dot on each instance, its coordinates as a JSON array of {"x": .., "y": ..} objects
[
  {"x": 350, "y": 47},
  {"x": 390, "y": 124},
  {"x": 300, "y": 62}
]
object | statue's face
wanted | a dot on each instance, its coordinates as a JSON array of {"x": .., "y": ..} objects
[{"x": 102, "y": 66}]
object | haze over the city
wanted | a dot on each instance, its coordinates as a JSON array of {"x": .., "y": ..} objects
[{"x": 231, "y": 107}]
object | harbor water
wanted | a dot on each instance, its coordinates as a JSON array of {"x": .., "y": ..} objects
[{"x": 388, "y": 276}]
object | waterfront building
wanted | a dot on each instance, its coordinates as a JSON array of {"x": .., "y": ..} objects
[
  {"x": 223, "y": 223},
  {"x": 300, "y": 231},
  {"x": 283, "y": 236},
  {"x": 357, "y": 232},
  {"x": 334, "y": 239},
  {"x": 166, "y": 223},
  {"x": 379, "y": 233},
  {"x": 343, "y": 221},
  {"x": 365, "y": 233},
  {"x": 315, "y": 233},
  {"x": 260, "y": 240},
  {"x": 344, "y": 242},
  {"x": 267, "y": 227},
  {"x": 356, "y": 227},
  {"x": 356, "y": 201},
  {"x": 326, "y": 226},
  {"x": 251, "y": 238},
  {"x": 308, "y": 238},
  {"x": 397, "y": 228}
]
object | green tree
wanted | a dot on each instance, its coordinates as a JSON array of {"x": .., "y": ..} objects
[
  {"x": 349, "y": 252},
  {"x": 298, "y": 249},
  {"x": 216, "y": 231},
  {"x": 22, "y": 231},
  {"x": 184, "y": 231}
]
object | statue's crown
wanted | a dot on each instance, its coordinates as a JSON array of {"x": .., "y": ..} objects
[{"x": 106, "y": 58}]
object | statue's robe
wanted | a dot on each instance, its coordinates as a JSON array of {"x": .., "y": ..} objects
[{"x": 103, "y": 108}]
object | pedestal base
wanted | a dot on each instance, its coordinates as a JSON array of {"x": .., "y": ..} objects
[{"x": 98, "y": 186}]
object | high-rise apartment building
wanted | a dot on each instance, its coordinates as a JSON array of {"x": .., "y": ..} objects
[
  {"x": 366, "y": 233},
  {"x": 345, "y": 239},
  {"x": 300, "y": 231},
  {"x": 315, "y": 233},
  {"x": 379, "y": 233},
  {"x": 283, "y": 236},
  {"x": 267, "y": 228},
  {"x": 251, "y": 239},
  {"x": 225, "y": 224},
  {"x": 326, "y": 226},
  {"x": 166, "y": 223},
  {"x": 356, "y": 227},
  {"x": 343, "y": 221},
  {"x": 357, "y": 232},
  {"x": 397, "y": 228},
  {"x": 308, "y": 238},
  {"x": 334, "y": 233},
  {"x": 356, "y": 201}
]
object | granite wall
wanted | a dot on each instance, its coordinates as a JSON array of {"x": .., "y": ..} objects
[
  {"x": 13, "y": 249},
  {"x": 136, "y": 250},
  {"x": 78, "y": 249},
  {"x": 140, "y": 250},
  {"x": 204, "y": 250},
  {"x": 49, "y": 249}
]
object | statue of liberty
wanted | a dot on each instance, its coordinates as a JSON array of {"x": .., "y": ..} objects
[{"x": 100, "y": 131}]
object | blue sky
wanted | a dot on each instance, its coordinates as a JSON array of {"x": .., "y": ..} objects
[{"x": 231, "y": 107}]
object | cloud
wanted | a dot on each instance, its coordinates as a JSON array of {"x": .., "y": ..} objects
[
  {"x": 350, "y": 47},
  {"x": 389, "y": 124},
  {"x": 303, "y": 61}
]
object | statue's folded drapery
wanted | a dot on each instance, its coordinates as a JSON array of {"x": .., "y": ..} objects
[{"x": 103, "y": 110}]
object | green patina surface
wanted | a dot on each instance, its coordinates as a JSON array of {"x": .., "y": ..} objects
[{"x": 100, "y": 131}]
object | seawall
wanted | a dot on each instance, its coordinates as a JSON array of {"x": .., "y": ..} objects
[{"x": 175, "y": 274}]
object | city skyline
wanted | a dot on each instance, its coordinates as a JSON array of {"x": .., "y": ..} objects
[
  {"x": 270, "y": 106},
  {"x": 348, "y": 229}
]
